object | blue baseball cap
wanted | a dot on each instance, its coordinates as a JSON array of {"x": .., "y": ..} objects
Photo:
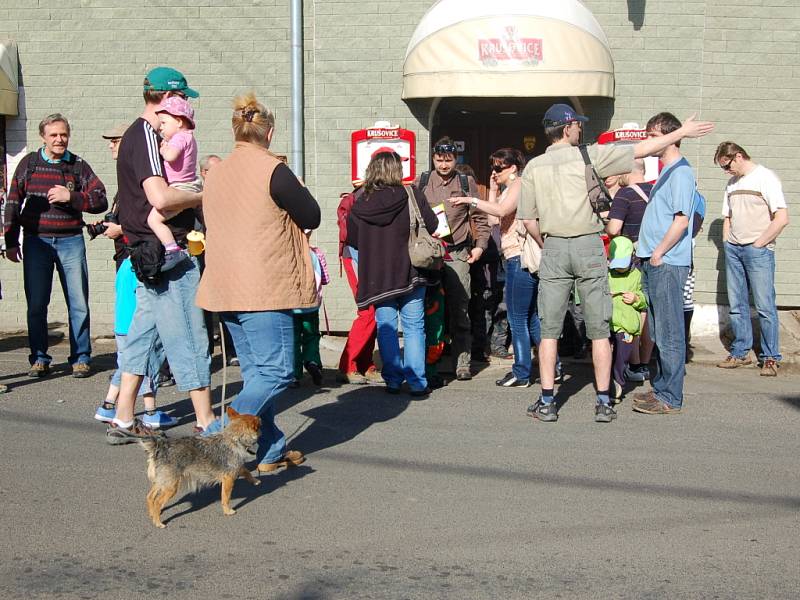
[{"x": 561, "y": 114}]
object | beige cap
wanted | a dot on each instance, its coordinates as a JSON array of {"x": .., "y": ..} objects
[{"x": 115, "y": 132}]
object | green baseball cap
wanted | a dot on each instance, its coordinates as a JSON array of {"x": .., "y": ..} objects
[{"x": 165, "y": 79}]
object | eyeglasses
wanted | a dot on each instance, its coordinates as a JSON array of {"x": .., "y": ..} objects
[
  {"x": 498, "y": 168},
  {"x": 444, "y": 149},
  {"x": 728, "y": 166}
]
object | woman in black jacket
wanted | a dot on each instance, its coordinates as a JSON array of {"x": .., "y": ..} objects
[{"x": 379, "y": 228}]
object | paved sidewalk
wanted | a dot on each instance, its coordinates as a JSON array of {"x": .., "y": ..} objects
[{"x": 457, "y": 496}]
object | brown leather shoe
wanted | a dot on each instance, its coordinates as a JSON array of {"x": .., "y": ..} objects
[
  {"x": 292, "y": 458},
  {"x": 770, "y": 368},
  {"x": 354, "y": 378},
  {"x": 39, "y": 369},
  {"x": 643, "y": 397},
  {"x": 733, "y": 362},
  {"x": 81, "y": 370},
  {"x": 372, "y": 375},
  {"x": 655, "y": 407}
]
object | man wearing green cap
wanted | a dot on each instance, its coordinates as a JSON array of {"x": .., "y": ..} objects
[
  {"x": 165, "y": 307},
  {"x": 555, "y": 204}
]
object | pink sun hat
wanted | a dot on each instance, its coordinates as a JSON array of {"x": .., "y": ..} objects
[{"x": 177, "y": 107}]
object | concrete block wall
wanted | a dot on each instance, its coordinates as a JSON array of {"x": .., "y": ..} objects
[{"x": 732, "y": 61}]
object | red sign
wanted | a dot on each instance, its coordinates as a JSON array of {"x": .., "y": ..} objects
[
  {"x": 365, "y": 143},
  {"x": 510, "y": 47},
  {"x": 622, "y": 135}
]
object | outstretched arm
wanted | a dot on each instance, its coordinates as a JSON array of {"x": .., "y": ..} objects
[{"x": 691, "y": 128}]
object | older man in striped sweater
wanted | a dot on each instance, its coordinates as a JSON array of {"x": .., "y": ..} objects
[{"x": 50, "y": 191}]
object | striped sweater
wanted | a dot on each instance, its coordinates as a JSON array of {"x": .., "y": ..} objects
[{"x": 27, "y": 206}]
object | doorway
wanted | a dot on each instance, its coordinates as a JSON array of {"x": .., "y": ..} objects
[{"x": 484, "y": 125}]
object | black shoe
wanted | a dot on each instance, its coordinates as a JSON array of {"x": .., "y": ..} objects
[
  {"x": 603, "y": 413},
  {"x": 436, "y": 381},
  {"x": 164, "y": 380},
  {"x": 315, "y": 371},
  {"x": 421, "y": 393},
  {"x": 510, "y": 381},
  {"x": 480, "y": 357},
  {"x": 542, "y": 411},
  {"x": 392, "y": 390}
]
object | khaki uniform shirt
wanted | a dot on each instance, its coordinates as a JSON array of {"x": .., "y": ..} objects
[
  {"x": 554, "y": 187},
  {"x": 462, "y": 221}
]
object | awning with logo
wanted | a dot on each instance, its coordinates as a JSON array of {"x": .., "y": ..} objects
[
  {"x": 9, "y": 79},
  {"x": 513, "y": 48}
]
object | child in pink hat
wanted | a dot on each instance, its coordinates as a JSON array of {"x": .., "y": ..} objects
[{"x": 179, "y": 151}]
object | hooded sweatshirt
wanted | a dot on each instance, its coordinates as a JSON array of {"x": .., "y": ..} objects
[{"x": 379, "y": 228}]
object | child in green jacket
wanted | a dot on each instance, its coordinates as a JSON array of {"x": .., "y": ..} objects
[{"x": 628, "y": 302}]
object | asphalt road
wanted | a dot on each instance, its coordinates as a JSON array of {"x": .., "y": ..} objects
[{"x": 457, "y": 496}]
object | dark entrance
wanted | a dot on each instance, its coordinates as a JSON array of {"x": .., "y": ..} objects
[{"x": 487, "y": 124}]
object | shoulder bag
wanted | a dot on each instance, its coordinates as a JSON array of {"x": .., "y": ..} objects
[
  {"x": 425, "y": 251},
  {"x": 531, "y": 253}
]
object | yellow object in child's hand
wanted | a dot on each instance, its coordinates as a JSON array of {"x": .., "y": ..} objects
[{"x": 196, "y": 242}]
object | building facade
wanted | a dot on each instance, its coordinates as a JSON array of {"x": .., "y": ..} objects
[{"x": 480, "y": 71}]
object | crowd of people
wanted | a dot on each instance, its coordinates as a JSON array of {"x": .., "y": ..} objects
[{"x": 453, "y": 269}]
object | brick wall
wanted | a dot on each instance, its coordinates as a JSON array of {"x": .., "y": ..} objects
[{"x": 733, "y": 61}]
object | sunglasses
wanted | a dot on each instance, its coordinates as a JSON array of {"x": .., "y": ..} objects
[
  {"x": 728, "y": 166},
  {"x": 498, "y": 168},
  {"x": 444, "y": 149}
]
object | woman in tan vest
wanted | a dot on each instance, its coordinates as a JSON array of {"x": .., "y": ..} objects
[{"x": 258, "y": 268}]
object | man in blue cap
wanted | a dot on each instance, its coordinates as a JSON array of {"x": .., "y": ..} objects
[
  {"x": 165, "y": 306},
  {"x": 555, "y": 207}
]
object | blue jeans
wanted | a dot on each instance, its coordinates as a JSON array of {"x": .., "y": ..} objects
[
  {"x": 264, "y": 343},
  {"x": 749, "y": 269},
  {"x": 166, "y": 314},
  {"x": 663, "y": 286},
  {"x": 68, "y": 256},
  {"x": 411, "y": 368},
  {"x": 521, "y": 295}
]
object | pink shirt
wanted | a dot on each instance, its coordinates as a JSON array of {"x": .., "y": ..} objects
[{"x": 184, "y": 168}]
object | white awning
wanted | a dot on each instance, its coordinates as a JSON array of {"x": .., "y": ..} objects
[
  {"x": 512, "y": 48},
  {"x": 9, "y": 79}
]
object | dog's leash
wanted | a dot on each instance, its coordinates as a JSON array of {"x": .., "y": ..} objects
[{"x": 224, "y": 372}]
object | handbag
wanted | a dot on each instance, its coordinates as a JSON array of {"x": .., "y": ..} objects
[
  {"x": 425, "y": 251},
  {"x": 531, "y": 254},
  {"x": 147, "y": 258}
]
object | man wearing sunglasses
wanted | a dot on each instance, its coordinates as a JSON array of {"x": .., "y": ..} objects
[
  {"x": 469, "y": 239},
  {"x": 755, "y": 214},
  {"x": 555, "y": 203}
]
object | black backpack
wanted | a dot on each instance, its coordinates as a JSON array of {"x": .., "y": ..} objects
[
  {"x": 71, "y": 170},
  {"x": 462, "y": 179}
]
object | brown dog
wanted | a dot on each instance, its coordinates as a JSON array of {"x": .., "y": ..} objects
[{"x": 198, "y": 461}]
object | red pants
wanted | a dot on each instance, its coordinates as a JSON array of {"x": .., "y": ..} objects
[{"x": 357, "y": 354}]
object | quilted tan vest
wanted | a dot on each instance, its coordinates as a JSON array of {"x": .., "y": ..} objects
[{"x": 256, "y": 257}]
